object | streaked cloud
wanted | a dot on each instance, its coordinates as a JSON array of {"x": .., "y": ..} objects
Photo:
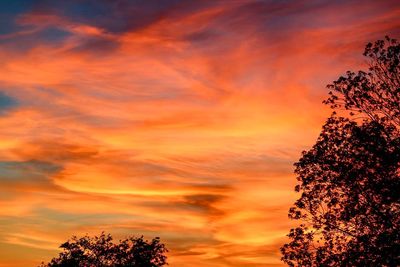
[{"x": 166, "y": 118}]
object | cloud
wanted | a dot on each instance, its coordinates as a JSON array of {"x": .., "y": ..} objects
[
  {"x": 167, "y": 118},
  {"x": 32, "y": 170}
]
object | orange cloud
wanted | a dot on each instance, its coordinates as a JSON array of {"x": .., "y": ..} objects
[{"x": 182, "y": 124}]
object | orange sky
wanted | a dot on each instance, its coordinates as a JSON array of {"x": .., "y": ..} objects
[{"x": 178, "y": 119}]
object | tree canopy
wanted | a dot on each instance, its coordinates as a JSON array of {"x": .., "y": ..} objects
[
  {"x": 350, "y": 179},
  {"x": 101, "y": 251}
]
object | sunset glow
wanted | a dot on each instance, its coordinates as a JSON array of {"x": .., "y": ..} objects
[{"x": 177, "y": 119}]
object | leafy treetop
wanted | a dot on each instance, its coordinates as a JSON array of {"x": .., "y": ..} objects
[{"x": 101, "y": 251}]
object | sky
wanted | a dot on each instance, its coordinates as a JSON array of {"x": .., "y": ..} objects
[{"x": 177, "y": 119}]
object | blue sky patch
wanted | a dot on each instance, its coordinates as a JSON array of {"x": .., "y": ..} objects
[{"x": 6, "y": 102}]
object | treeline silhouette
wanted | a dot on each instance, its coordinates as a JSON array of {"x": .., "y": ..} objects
[
  {"x": 101, "y": 251},
  {"x": 350, "y": 179}
]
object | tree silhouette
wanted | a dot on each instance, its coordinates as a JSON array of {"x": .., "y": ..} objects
[
  {"x": 350, "y": 179},
  {"x": 100, "y": 251}
]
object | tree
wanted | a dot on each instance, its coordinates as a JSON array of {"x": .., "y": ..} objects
[
  {"x": 100, "y": 251},
  {"x": 350, "y": 179}
]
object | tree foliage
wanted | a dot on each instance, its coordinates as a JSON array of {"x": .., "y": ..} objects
[
  {"x": 101, "y": 251},
  {"x": 350, "y": 179}
]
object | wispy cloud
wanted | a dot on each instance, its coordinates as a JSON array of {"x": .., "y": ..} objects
[{"x": 166, "y": 118}]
